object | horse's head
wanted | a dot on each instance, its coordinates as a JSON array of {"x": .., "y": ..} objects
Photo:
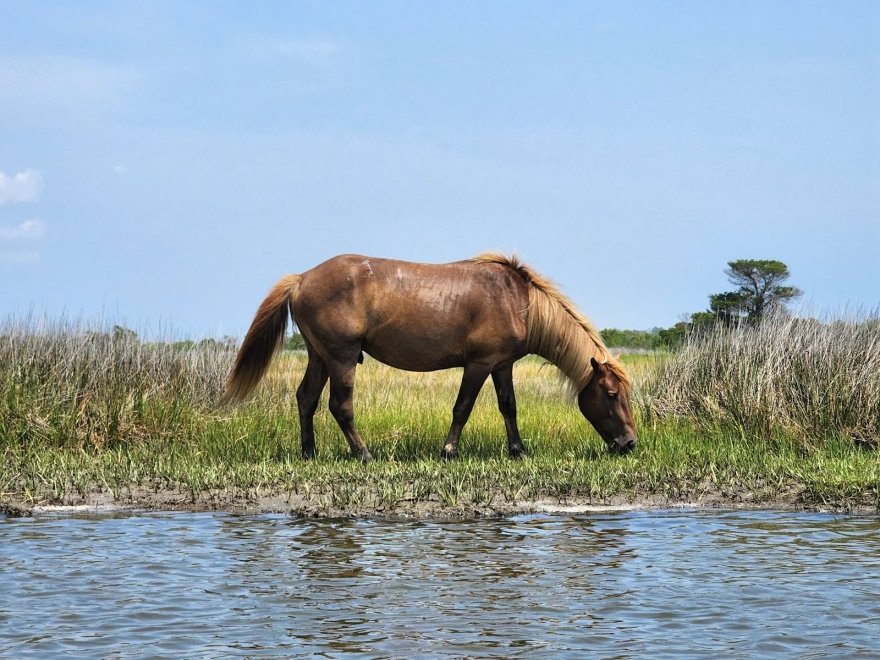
[{"x": 605, "y": 403}]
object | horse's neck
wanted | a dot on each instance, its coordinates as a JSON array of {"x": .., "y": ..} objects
[{"x": 566, "y": 344}]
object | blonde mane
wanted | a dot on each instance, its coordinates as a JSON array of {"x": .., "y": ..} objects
[{"x": 556, "y": 330}]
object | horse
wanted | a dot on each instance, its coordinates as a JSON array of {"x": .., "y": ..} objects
[{"x": 481, "y": 314}]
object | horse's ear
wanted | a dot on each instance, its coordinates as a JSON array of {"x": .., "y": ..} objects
[{"x": 595, "y": 364}]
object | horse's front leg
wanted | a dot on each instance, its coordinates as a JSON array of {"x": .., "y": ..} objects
[
  {"x": 502, "y": 378},
  {"x": 471, "y": 382}
]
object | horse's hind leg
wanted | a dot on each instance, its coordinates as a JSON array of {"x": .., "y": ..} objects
[
  {"x": 471, "y": 381},
  {"x": 502, "y": 378},
  {"x": 342, "y": 405},
  {"x": 307, "y": 395}
]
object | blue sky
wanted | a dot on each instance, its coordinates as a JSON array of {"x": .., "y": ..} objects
[{"x": 163, "y": 163}]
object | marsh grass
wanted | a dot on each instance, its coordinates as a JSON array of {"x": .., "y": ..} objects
[
  {"x": 813, "y": 381},
  {"x": 70, "y": 384},
  {"x": 82, "y": 411}
]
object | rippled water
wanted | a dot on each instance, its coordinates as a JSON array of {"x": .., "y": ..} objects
[{"x": 665, "y": 583}]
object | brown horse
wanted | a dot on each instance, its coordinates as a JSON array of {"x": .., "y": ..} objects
[{"x": 482, "y": 314}]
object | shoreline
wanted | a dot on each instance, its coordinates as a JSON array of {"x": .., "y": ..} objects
[
  {"x": 124, "y": 445},
  {"x": 147, "y": 500}
]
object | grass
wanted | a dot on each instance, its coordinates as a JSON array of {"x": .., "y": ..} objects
[
  {"x": 814, "y": 381},
  {"x": 82, "y": 412}
]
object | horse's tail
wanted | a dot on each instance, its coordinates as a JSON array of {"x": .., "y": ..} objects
[{"x": 264, "y": 338}]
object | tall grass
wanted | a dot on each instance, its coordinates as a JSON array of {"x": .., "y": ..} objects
[
  {"x": 813, "y": 381},
  {"x": 71, "y": 383}
]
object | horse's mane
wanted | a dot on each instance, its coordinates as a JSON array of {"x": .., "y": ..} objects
[{"x": 556, "y": 329}]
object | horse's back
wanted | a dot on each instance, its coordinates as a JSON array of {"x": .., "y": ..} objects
[{"x": 412, "y": 315}]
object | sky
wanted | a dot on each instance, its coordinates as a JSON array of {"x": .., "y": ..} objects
[{"x": 162, "y": 164}]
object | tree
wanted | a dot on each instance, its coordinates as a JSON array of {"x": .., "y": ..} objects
[
  {"x": 294, "y": 342},
  {"x": 726, "y": 307},
  {"x": 674, "y": 337},
  {"x": 634, "y": 339},
  {"x": 760, "y": 290}
]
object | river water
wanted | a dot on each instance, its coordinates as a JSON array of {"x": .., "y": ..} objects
[{"x": 664, "y": 583}]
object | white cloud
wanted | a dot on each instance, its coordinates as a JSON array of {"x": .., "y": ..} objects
[
  {"x": 22, "y": 187},
  {"x": 19, "y": 257},
  {"x": 28, "y": 230}
]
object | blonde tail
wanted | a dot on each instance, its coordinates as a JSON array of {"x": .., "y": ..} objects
[{"x": 264, "y": 338}]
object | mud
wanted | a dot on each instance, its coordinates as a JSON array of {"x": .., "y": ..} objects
[{"x": 325, "y": 505}]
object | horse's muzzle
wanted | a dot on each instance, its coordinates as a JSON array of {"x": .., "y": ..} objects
[{"x": 623, "y": 445}]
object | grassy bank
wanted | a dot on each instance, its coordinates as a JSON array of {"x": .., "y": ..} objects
[{"x": 87, "y": 417}]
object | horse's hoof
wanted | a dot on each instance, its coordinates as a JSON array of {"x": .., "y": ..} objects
[
  {"x": 448, "y": 454},
  {"x": 309, "y": 453},
  {"x": 364, "y": 456},
  {"x": 516, "y": 451}
]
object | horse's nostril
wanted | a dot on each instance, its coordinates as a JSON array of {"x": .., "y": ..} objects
[{"x": 626, "y": 446}]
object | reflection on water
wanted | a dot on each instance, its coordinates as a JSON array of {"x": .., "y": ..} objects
[{"x": 626, "y": 583}]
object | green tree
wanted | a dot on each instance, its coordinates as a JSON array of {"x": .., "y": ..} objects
[
  {"x": 674, "y": 337},
  {"x": 727, "y": 307},
  {"x": 294, "y": 342},
  {"x": 702, "y": 320},
  {"x": 760, "y": 290},
  {"x": 638, "y": 339}
]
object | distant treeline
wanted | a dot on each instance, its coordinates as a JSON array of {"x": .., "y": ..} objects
[
  {"x": 122, "y": 335},
  {"x": 648, "y": 340},
  {"x": 656, "y": 339}
]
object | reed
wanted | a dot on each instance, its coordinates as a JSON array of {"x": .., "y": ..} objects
[
  {"x": 71, "y": 383},
  {"x": 814, "y": 381}
]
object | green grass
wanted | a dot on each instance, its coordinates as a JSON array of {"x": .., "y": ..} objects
[
  {"x": 674, "y": 463},
  {"x": 80, "y": 413}
]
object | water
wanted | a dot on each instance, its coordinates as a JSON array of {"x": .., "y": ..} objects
[{"x": 672, "y": 583}]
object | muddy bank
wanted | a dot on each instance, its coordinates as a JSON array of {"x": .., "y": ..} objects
[{"x": 325, "y": 505}]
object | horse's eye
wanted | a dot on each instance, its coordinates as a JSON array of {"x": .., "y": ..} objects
[{"x": 612, "y": 394}]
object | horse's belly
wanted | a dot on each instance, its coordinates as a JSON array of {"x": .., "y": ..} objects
[{"x": 413, "y": 353}]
